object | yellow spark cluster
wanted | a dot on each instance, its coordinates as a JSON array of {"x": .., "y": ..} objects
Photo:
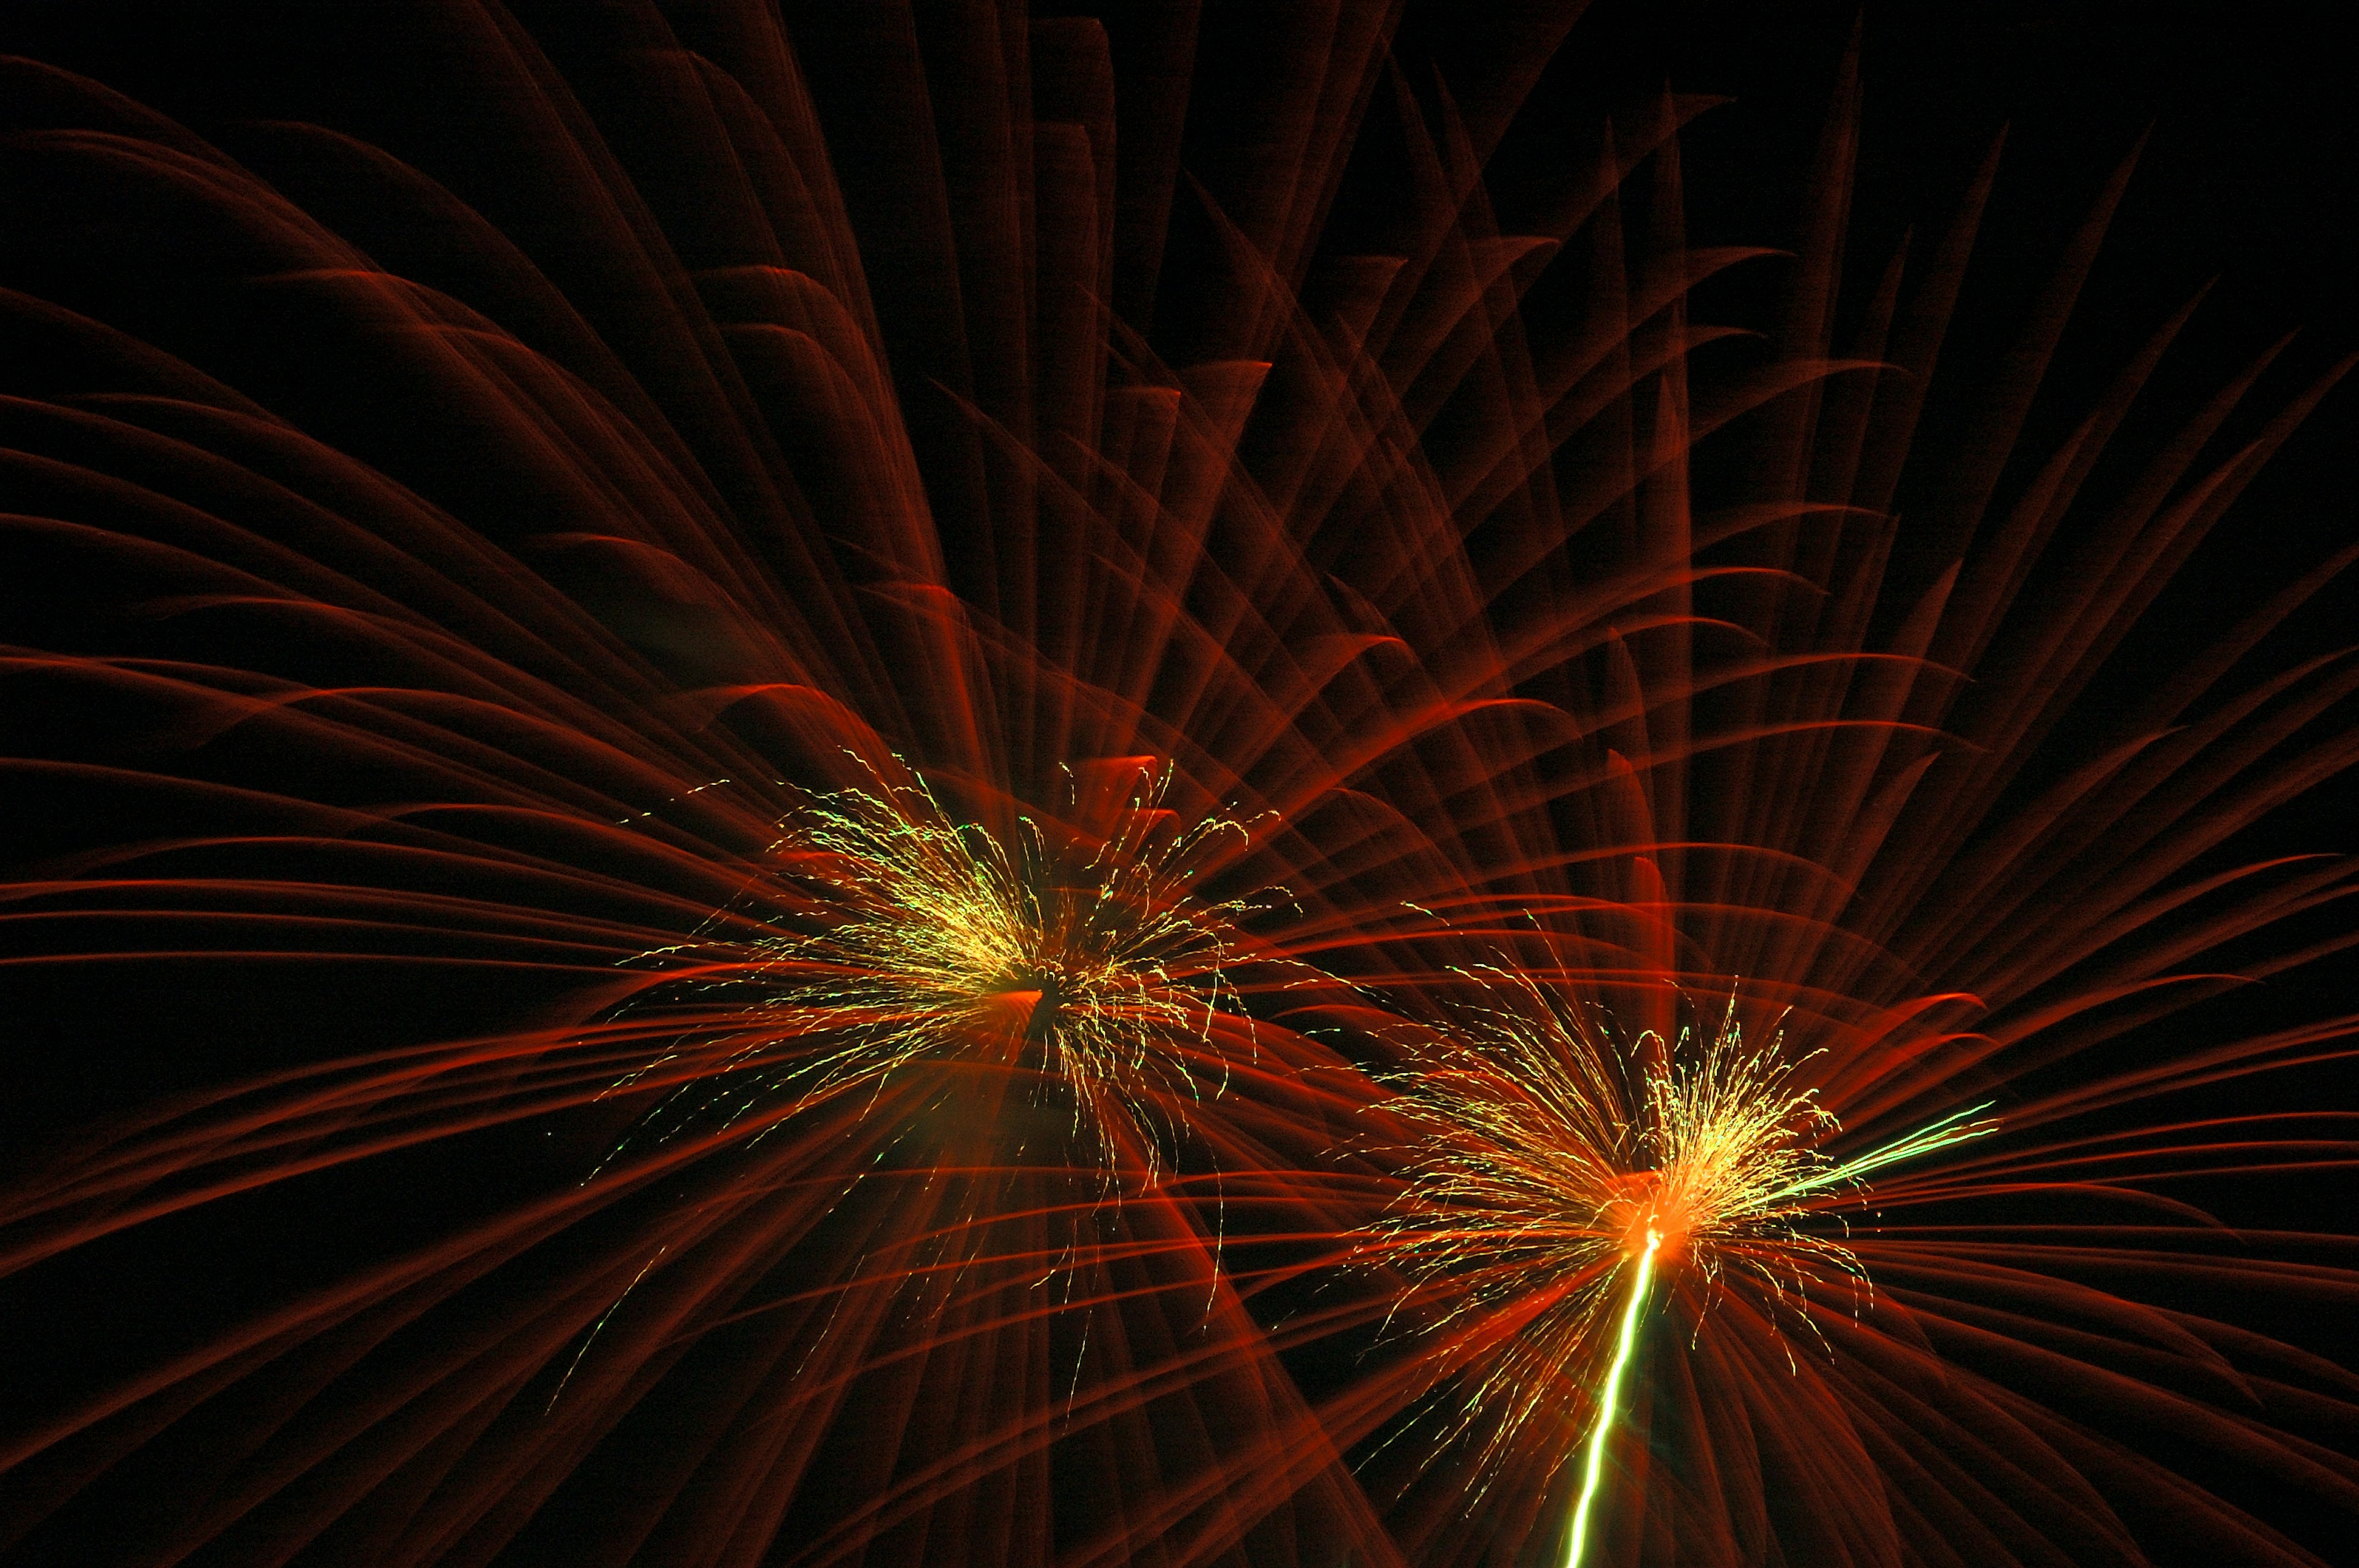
[
  {"x": 1083, "y": 956},
  {"x": 1557, "y": 1170}
]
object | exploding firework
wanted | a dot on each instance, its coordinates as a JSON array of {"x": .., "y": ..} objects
[
  {"x": 928, "y": 945},
  {"x": 1563, "y": 1176},
  {"x": 1089, "y": 961},
  {"x": 783, "y": 740}
]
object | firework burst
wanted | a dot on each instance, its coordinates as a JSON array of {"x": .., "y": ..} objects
[
  {"x": 1562, "y": 1174},
  {"x": 471, "y": 432},
  {"x": 1075, "y": 950}
]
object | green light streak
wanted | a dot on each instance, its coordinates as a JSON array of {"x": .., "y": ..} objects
[
  {"x": 1948, "y": 1132},
  {"x": 1594, "y": 1464},
  {"x": 1959, "y": 1127}
]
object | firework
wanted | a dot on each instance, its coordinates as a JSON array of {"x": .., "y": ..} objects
[
  {"x": 783, "y": 737},
  {"x": 920, "y": 942},
  {"x": 1562, "y": 1172}
]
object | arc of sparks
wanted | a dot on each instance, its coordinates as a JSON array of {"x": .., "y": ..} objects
[{"x": 1593, "y": 1464}]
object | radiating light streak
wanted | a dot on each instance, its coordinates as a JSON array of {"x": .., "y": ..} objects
[
  {"x": 1553, "y": 1153},
  {"x": 1626, "y": 1341},
  {"x": 1947, "y": 1133}
]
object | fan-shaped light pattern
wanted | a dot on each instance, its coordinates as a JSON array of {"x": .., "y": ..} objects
[
  {"x": 1559, "y": 1172},
  {"x": 923, "y": 942},
  {"x": 619, "y": 583}
]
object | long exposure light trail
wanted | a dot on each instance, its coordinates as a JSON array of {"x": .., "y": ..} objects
[
  {"x": 1950, "y": 1131},
  {"x": 1013, "y": 784},
  {"x": 1959, "y": 1127},
  {"x": 1594, "y": 1465}
]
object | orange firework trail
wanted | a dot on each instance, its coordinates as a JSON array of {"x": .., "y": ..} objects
[{"x": 982, "y": 785}]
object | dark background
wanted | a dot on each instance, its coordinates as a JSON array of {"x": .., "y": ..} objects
[
  {"x": 2246, "y": 186},
  {"x": 2248, "y": 183}
]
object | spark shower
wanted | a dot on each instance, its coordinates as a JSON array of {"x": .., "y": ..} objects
[{"x": 877, "y": 784}]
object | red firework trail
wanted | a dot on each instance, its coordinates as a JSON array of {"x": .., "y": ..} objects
[{"x": 920, "y": 784}]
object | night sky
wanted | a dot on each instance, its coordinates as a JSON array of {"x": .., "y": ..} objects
[{"x": 2247, "y": 184}]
